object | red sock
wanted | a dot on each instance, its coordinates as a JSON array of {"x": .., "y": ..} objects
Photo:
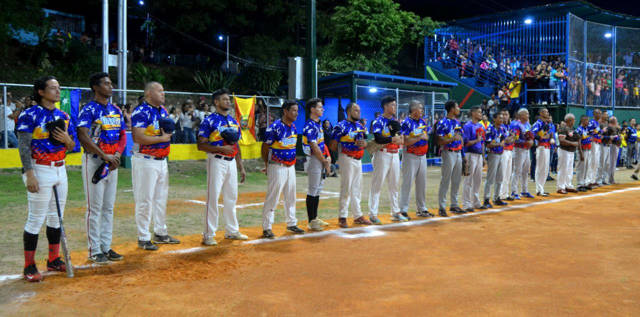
[
  {"x": 53, "y": 251},
  {"x": 29, "y": 258}
]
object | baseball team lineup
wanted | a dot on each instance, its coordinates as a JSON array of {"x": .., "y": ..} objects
[{"x": 398, "y": 149}]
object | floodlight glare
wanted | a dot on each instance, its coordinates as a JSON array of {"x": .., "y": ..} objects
[
  {"x": 220, "y": 38},
  {"x": 607, "y": 35},
  {"x": 141, "y": 2},
  {"x": 373, "y": 90},
  {"x": 528, "y": 21}
]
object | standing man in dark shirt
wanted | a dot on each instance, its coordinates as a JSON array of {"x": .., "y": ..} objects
[{"x": 569, "y": 141}]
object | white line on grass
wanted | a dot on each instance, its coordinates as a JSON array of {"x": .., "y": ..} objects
[
  {"x": 200, "y": 202},
  {"x": 364, "y": 232}
]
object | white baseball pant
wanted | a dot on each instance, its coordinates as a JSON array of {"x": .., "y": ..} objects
[
  {"x": 385, "y": 166},
  {"x": 613, "y": 162},
  {"x": 451, "y": 173},
  {"x": 222, "y": 178},
  {"x": 101, "y": 198},
  {"x": 282, "y": 180},
  {"x": 494, "y": 175},
  {"x": 350, "y": 186},
  {"x": 506, "y": 169},
  {"x": 565, "y": 169},
  {"x": 42, "y": 204},
  {"x": 150, "y": 179},
  {"x": 414, "y": 168},
  {"x": 542, "y": 168},
  {"x": 583, "y": 168},
  {"x": 521, "y": 167},
  {"x": 594, "y": 171},
  {"x": 471, "y": 190}
]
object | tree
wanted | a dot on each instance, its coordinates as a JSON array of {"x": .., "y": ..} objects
[
  {"x": 369, "y": 34},
  {"x": 16, "y": 15}
]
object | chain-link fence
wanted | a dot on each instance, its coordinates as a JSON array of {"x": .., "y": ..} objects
[{"x": 187, "y": 109}]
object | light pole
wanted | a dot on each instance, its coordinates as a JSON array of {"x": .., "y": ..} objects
[{"x": 222, "y": 38}]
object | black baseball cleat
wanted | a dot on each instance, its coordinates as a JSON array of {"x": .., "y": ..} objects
[
  {"x": 457, "y": 210},
  {"x": 268, "y": 234},
  {"x": 468, "y": 210},
  {"x": 295, "y": 230},
  {"x": 424, "y": 214},
  {"x": 166, "y": 239},
  {"x": 582, "y": 189},
  {"x": 31, "y": 274},
  {"x": 113, "y": 256},
  {"x": 100, "y": 259},
  {"x": 147, "y": 245},
  {"x": 442, "y": 213},
  {"x": 56, "y": 265},
  {"x": 487, "y": 205},
  {"x": 509, "y": 198},
  {"x": 634, "y": 176},
  {"x": 542, "y": 194},
  {"x": 406, "y": 215},
  {"x": 499, "y": 202}
]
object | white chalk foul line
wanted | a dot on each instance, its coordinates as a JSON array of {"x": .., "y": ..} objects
[{"x": 364, "y": 232}]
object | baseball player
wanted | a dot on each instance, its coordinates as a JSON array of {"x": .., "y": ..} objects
[
  {"x": 473, "y": 136},
  {"x": 386, "y": 162},
  {"x": 218, "y": 136},
  {"x": 506, "y": 166},
  {"x": 43, "y": 140},
  {"x": 521, "y": 129},
  {"x": 613, "y": 133},
  {"x": 569, "y": 142},
  {"x": 415, "y": 132},
  {"x": 495, "y": 139},
  {"x": 350, "y": 135},
  {"x": 585, "y": 162},
  {"x": 449, "y": 134},
  {"x": 543, "y": 131},
  {"x": 279, "y": 156},
  {"x": 149, "y": 171},
  {"x": 596, "y": 148},
  {"x": 317, "y": 152},
  {"x": 101, "y": 131},
  {"x": 632, "y": 137}
]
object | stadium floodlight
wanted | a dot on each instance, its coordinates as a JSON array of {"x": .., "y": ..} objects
[
  {"x": 528, "y": 21},
  {"x": 221, "y": 38},
  {"x": 373, "y": 90},
  {"x": 607, "y": 35},
  {"x": 141, "y": 2}
]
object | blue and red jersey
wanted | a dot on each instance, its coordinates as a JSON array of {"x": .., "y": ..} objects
[
  {"x": 282, "y": 140},
  {"x": 496, "y": 135},
  {"x": 448, "y": 128},
  {"x": 213, "y": 126},
  {"x": 585, "y": 137},
  {"x": 414, "y": 128},
  {"x": 148, "y": 117},
  {"x": 506, "y": 132},
  {"x": 33, "y": 120},
  {"x": 470, "y": 132},
  {"x": 313, "y": 133},
  {"x": 522, "y": 132},
  {"x": 538, "y": 130},
  {"x": 380, "y": 125},
  {"x": 105, "y": 123},
  {"x": 594, "y": 130},
  {"x": 347, "y": 133}
]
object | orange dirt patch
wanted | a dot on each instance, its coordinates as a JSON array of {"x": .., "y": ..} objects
[{"x": 578, "y": 257}]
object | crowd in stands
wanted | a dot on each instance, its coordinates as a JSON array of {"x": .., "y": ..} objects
[{"x": 512, "y": 76}]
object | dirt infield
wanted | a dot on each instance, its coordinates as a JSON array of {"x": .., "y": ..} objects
[{"x": 579, "y": 256}]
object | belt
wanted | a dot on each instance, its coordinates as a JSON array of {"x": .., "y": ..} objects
[
  {"x": 49, "y": 163},
  {"x": 545, "y": 145},
  {"x": 149, "y": 157},
  {"x": 452, "y": 150},
  {"x": 222, "y": 157},
  {"x": 470, "y": 152},
  {"x": 353, "y": 157},
  {"x": 279, "y": 164},
  {"x": 389, "y": 151}
]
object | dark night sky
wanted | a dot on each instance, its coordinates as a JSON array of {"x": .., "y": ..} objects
[{"x": 445, "y": 10}]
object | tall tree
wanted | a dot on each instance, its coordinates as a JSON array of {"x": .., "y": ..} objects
[{"x": 369, "y": 34}]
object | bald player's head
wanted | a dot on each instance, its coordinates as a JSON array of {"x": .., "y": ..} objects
[{"x": 154, "y": 93}]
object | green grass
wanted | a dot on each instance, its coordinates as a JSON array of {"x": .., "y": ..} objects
[{"x": 187, "y": 181}]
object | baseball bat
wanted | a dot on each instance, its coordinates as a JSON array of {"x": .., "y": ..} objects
[{"x": 63, "y": 237}]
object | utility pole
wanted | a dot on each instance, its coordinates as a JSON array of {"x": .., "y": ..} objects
[
  {"x": 105, "y": 36},
  {"x": 122, "y": 50},
  {"x": 311, "y": 65}
]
